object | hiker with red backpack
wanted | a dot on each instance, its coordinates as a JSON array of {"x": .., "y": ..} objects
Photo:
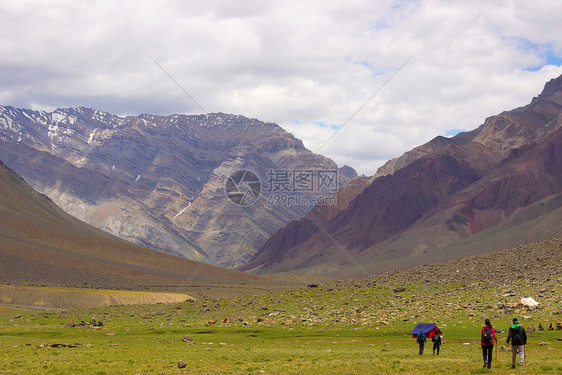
[{"x": 487, "y": 338}]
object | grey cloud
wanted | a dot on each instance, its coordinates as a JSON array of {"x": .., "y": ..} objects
[{"x": 313, "y": 61}]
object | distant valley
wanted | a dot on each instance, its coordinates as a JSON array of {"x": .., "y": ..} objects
[{"x": 159, "y": 181}]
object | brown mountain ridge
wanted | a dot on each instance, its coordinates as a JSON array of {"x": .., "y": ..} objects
[{"x": 426, "y": 205}]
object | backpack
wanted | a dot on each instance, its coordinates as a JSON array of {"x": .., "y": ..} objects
[
  {"x": 487, "y": 336},
  {"x": 421, "y": 338}
]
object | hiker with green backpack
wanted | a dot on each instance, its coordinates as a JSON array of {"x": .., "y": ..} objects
[
  {"x": 487, "y": 338},
  {"x": 518, "y": 338}
]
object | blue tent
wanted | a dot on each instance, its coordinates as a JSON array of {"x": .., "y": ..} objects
[{"x": 429, "y": 329}]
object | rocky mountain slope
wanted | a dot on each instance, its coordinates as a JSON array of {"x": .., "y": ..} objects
[
  {"x": 426, "y": 205},
  {"x": 469, "y": 288},
  {"x": 41, "y": 245},
  {"x": 158, "y": 181}
]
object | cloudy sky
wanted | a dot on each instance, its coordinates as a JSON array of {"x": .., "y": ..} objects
[{"x": 306, "y": 65}]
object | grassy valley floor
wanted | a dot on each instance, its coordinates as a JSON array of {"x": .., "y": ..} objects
[
  {"x": 306, "y": 331},
  {"x": 357, "y": 326}
]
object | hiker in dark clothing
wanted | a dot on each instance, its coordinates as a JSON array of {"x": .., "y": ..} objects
[
  {"x": 518, "y": 338},
  {"x": 541, "y": 328},
  {"x": 421, "y": 340},
  {"x": 436, "y": 339},
  {"x": 487, "y": 338}
]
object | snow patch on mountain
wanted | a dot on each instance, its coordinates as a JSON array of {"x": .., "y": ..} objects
[
  {"x": 92, "y": 134},
  {"x": 182, "y": 211}
]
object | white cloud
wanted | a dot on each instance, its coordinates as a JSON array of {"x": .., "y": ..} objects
[{"x": 315, "y": 62}]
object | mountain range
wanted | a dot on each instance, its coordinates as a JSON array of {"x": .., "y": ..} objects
[
  {"x": 497, "y": 186},
  {"x": 159, "y": 181}
]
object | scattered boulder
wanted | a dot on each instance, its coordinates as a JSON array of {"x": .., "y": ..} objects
[
  {"x": 62, "y": 346},
  {"x": 399, "y": 289},
  {"x": 187, "y": 339},
  {"x": 182, "y": 364},
  {"x": 543, "y": 343}
]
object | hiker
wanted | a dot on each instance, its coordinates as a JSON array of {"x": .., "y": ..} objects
[
  {"x": 550, "y": 327},
  {"x": 541, "y": 328},
  {"x": 436, "y": 339},
  {"x": 487, "y": 338},
  {"x": 518, "y": 338},
  {"x": 421, "y": 340}
]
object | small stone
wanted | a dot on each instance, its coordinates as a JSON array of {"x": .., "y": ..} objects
[
  {"x": 399, "y": 289},
  {"x": 182, "y": 364}
]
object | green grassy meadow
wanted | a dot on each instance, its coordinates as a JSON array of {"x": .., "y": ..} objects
[{"x": 331, "y": 329}]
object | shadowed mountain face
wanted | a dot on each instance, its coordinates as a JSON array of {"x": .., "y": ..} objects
[
  {"x": 158, "y": 181},
  {"x": 491, "y": 184}
]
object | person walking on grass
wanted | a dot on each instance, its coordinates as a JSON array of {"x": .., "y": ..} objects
[
  {"x": 436, "y": 339},
  {"x": 487, "y": 338},
  {"x": 421, "y": 341},
  {"x": 518, "y": 338}
]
